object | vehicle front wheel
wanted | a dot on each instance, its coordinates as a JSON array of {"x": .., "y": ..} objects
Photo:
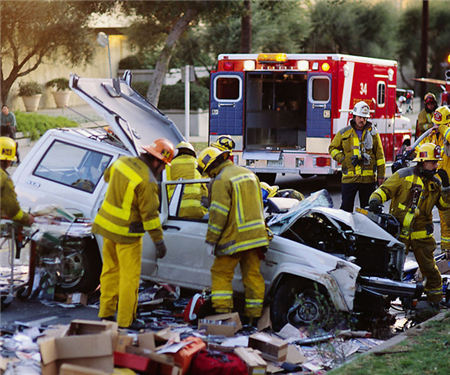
[
  {"x": 300, "y": 303},
  {"x": 80, "y": 271}
]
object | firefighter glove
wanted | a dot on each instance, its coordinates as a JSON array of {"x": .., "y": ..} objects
[
  {"x": 375, "y": 206},
  {"x": 444, "y": 177},
  {"x": 355, "y": 160},
  {"x": 161, "y": 249}
]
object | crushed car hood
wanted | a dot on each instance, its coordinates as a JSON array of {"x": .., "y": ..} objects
[
  {"x": 131, "y": 117},
  {"x": 320, "y": 202}
]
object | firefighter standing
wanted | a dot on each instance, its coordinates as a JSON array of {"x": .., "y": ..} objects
[
  {"x": 413, "y": 192},
  {"x": 9, "y": 206},
  {"x": 236, "y": 231},
  {"x": 130, "y": 208},
  {"x": 358, "y": 148},
  {"x": 424, "y": 120},
  {"x": 441, "y": 121},
  {"x": 184, "y": 165}
]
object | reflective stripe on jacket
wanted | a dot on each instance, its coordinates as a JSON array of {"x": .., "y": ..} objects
[
  {"x": 131, "y": 203},
  {"x": 236, "y": 219},
  {"x": 9, "y": 206},
  {"x": 346, "y": 144},
  {"x": 185, "y": 167},
  {"x": 399, "y": 188}
]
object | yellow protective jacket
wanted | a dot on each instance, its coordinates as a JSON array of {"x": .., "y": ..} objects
[
  {"x": 416, "y": 222},
  {"x": 346, "y": 144},
  {"x": 444, "y": 131},
  {"x": 131, "y": 203},
  {"x": 185, "y": 167},
  {"x": 424, "y": 122},
  {"x": 9, "y": 206},
  {"x": 236, "y": 219}
]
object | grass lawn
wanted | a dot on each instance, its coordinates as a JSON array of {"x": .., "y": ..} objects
[{"x": 425, "y": 351}]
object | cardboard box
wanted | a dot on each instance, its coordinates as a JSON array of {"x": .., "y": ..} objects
[
  {"x": 272, "y": 348},
  {"x": 68, "y": 369},
  {"x": 86, "y": 343},
  {"x": 255, "y": 364},
  {"x": 80, "y": 298},
  {"x": 94, "y": 351},
  {"x": 222, "y": 324}
]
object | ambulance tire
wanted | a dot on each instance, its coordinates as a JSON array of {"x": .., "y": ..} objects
[
  {"x": 90, "y": 262},
  {"x": 268, "y": 178},
  {"x": 301, "y": 302}
]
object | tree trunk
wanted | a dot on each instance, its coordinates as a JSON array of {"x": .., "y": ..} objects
[
  {"x": 246, "y": 28},
  {"x": 162, "y": 65}
]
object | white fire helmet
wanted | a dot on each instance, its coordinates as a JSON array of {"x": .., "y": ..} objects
[{"x": 361, "y": 109}]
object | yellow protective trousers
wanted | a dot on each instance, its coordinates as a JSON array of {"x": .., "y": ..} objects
[
  {"x": 222, "y": 272},
  {"x": 423, "y": 251},
  {"x": 445, "y": 231},
  {"x": 119, "y": 281}
]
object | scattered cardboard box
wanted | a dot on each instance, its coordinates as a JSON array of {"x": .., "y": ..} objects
[
  {"x": 77, "y": 298},
  {"x": 86, "y": 343},
  {"x": 272, "y": 348},
  {"x": 222, "y": 324},
  {"x": 255, "y": 364},
  {"x": 68, "y": 369}
]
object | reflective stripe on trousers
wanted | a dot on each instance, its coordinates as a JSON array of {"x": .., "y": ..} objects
[
  {"x": 222, "y": 272},
  {"x": 119, "y": 281}
]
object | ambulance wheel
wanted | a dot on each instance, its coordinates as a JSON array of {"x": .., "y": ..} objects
[
  {"x": 267, "y": 177},
  {"x": 300, "y": 302}
]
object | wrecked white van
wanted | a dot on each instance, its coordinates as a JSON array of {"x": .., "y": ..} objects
[{"x": 320, "y": 260}]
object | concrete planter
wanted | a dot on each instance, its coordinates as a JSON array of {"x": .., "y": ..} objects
[
  {"x": 31, "y": 103},
  {"x": 61, "y": 98}
]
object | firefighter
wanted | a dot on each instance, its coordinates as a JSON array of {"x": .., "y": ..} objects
[
  {"x": 236, "y": 231},
  {"x": 424, "y": 119},
  {"x": 269, "y": 191},
  {"x": 359, "y": 149},
  {"x": 441, "y": 121},
  {"x": 184, "y": 166},
  {"x": 224, "y": 143},
  {"x": 130, "y": 208},
  {"x": 9, "y": 206},
  {"x": 413, "y": 192}
]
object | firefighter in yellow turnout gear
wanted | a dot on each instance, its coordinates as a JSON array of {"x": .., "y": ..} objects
[
  {"x": 184, "y": 165},
  {"x": 359, "y": 149},
  {"x": 413, "y": 192},
  {"x": 129, "y": 210},
  {"x": 9, "y": 206},
  {"x": 236, "y": 231},
  {"x": 441, "y": 137}
]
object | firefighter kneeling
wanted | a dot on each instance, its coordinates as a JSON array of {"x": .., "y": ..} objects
[
  {"x": 236, "y": 231},
  {"x": 414, "y": 192}
]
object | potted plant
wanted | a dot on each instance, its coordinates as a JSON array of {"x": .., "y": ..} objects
[
  {"x": 31, "y": 93},
  {"x": 61, "y": 92}
]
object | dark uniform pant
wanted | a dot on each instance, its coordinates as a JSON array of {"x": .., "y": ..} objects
[{"x": 349, "y": 191}]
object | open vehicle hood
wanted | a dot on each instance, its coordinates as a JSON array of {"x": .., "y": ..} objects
[
  {"x": 131, "y": 117},
  {"x": 320, "y": 202}
]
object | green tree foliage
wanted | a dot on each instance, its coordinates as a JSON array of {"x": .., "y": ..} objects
[
  {"x": 354, "y": 27},
  {"x": 32, "y": 31},
  {"x": 160, "y": 26},
  {"x": 409, "y": 35}
]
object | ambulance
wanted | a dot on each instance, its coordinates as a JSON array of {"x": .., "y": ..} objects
[{"x": 282, "y": 110}]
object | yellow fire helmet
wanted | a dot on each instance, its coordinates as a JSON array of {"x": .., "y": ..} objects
[
  {"x": 208, "y": 156},
  {"x": 185, "y": 148},
  {"x": 7, "y": 149},
  {"x": 224, "y": 143},
  {"x": 441, "y": 115},
  {"x": 271, "y": 190},
  {"x": 428, "y": 152}
]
